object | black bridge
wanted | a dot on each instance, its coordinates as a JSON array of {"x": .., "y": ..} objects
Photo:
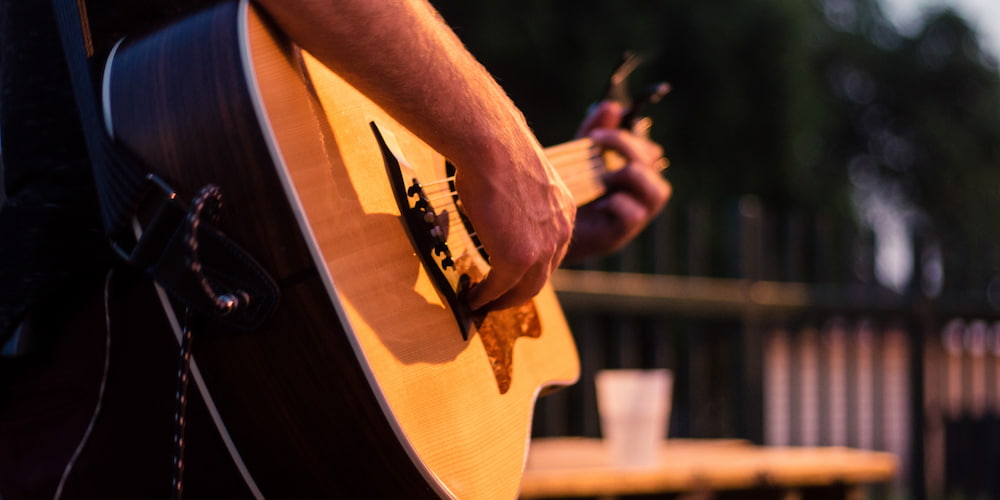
[{"x": 428, "y": 231}]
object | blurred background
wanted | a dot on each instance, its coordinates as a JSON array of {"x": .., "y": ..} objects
[{"x": 826, "y": 272}]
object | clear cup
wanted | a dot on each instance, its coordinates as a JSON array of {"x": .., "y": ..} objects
[{"x": 634, "y": 407}]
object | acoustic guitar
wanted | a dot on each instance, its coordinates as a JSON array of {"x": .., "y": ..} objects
[{"x": 372, "y": 379}]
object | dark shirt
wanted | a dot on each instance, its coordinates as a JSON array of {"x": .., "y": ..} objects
[
  {"x": 49, "y": 227},
  {"x": 53, "y": 257},
  {"x": 50, "y": 230}
]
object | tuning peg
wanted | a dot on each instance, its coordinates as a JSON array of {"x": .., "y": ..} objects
[
  {"x": 633, "y": 118},
  {"x": 616, "y": 89}
]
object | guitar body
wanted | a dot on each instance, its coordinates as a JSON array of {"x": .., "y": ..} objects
[{"x": 362, "y": 384}]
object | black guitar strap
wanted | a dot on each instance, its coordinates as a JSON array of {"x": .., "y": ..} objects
[{"x": 147, "y": 224}]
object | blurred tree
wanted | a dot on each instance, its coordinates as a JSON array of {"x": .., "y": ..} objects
[{"x": 918, "y": 129}]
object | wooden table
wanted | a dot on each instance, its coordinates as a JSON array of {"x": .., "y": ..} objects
[{"x": 578, "y": 467}]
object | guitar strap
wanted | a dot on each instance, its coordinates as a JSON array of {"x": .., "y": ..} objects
[{"x": 147, "y": 224}]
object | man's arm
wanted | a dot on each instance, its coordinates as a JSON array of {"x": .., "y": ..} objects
[{"x": 403, "y": 56}]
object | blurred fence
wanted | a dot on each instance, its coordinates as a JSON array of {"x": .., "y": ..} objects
[{"x": 777, "y": 333}]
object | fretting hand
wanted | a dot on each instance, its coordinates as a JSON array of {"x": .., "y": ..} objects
[{"x": 635, "y": 193}]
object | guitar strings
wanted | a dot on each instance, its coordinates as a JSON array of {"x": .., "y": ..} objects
[
  {"x": 577, "y": 163},
  {"x": 456, "y": 224},
  {"x": 580, "y": 152},
  {"x": 439, "y": 181},
  {"x": 570, "y": 177}
]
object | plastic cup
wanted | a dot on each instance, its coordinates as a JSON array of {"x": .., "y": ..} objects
[{"x": 634, "y": 407}]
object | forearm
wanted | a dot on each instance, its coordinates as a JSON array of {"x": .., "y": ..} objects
[
  {"x": 404, "y": 58},
  {"x": 401, "y": 55}
]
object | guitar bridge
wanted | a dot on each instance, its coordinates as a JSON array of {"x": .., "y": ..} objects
[{"x": 428, "y": 230}]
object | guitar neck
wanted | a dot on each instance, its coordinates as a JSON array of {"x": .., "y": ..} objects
[{"x": 582, "y": 166}]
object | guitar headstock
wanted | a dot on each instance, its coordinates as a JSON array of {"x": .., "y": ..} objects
[{"x": 617, "y": 90}]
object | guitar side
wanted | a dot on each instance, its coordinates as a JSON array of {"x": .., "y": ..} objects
[{"x": 361, "y": 385}]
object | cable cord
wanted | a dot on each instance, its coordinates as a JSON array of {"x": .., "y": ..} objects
[
  {"x": 101, "y": 391},
  {"x": 180, "y": 410}
]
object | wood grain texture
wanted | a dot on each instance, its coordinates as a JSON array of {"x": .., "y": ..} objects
[
  {"x": 361, "y": 386},
  {"x": 427, "y": 374}
]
